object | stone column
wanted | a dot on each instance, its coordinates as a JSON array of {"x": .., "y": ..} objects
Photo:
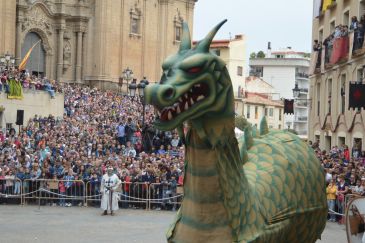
[
  {"x": 79, "y": 57},
  {"x": 60, "y": 54},
  {"x": 18, "y": 47}
]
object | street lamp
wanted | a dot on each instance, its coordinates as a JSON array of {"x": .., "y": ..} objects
[
  {"x": 127, "y": 75},
  {"x": 132, "y": 93},
  {"x": 296, "y": 91}
]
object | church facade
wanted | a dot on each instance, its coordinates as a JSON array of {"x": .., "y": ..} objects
[{"x": 93, "y": 41}]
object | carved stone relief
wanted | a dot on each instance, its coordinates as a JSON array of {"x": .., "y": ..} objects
[
  {"x": 66, "y": 55},
  {"x": 36, "y": 18}
]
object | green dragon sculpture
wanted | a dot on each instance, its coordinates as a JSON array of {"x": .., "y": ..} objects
[{"x": 272, "y": 189}]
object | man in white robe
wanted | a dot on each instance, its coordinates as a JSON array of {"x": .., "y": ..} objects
[{"x": 109, "y": 185}]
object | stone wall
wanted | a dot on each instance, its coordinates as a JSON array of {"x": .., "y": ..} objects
[{"x": 34, "y": 103}]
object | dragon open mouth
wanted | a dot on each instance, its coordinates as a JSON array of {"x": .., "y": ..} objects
[{"x": 195, "y": 95}]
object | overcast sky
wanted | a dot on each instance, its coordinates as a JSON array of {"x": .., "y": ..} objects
[{"x": 283, "y": 22}]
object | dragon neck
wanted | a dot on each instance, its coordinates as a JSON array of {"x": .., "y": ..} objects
[{"x": 214, "y": 172}]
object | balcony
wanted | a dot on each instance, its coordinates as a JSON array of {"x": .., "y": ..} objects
[
  {"x": 301, "y": 119},
  {"x": 303, "y": 90},
  {"x": 303, "y": 104},
  {"x": 301, "y": 76}
]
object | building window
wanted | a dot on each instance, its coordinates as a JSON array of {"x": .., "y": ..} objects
[
  {"x": 318, "y": 99},
  {"x": 178, "y": 23},
  {"x": 332, "y": 26},
  {"x": 135, "y": 21},
  {"x": 346, "y": 18},
  {"x": 342, "y": 92},
  {"x": 329, "y": 95},
  {"x": 256, "y": 112},
  {"x": 270, "y": 126},
  {"x": 217, "y": 52},
  {"x": 320, "y": 35},
  {"x": 178, "y": 33},
  {"x": 135, "y": 26},
  {"x": 362, "y": 8},
  {"x": 257, "y": 71},
  {"x": 239, "y": 71},
  {"x": 266, "y": 111},
  {"x": 271, "y": 112},
  {"x": 279, "y": 115},
  {"x": 359, "y": 75},
  {"x": 279, "y": 126},
  {"x": 248, "y": 112}
]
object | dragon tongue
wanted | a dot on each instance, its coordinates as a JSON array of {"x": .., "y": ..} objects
[{"x": 165, "y": 115}]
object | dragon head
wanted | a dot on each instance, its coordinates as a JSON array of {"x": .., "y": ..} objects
[{"x": 194, "y": 85}]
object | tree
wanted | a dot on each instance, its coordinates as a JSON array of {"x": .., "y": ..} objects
[
  {"x": 241, "y": 122},
  {"x": 260, "y": 54},
  {"x": 252, "y": 55}
]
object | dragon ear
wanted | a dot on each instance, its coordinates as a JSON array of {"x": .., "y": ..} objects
[
  {"x": 186, "y": 40},
  {"x": 204, "y": 44}
]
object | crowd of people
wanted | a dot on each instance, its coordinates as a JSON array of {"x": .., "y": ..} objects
[
  {"x": 27, "y": 81},
  {"x": 345, "y": 175},
  {"x": 335, "y": 52},
  {"x": 98, "y": 129}
]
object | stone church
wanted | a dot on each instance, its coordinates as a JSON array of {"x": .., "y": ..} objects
[{"x": 93, "y": 41}]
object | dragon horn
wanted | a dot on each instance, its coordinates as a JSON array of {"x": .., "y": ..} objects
[
  {"x": 264, "y": 129},
  {"x": 186, "y": 40},
  {"x": 248, "y": 137},
  {"x": 204, "y": 44}
]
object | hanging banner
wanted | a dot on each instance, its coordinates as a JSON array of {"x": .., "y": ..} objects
[
  {"x": 313, "y": 63},
  {"x": 326, "y": 4},
  {"x": 15, "y": 89},
  {"x": 351, "y": 43},
  {"x": 317, "y": 8},
  {"x": 340, "y": 49}
]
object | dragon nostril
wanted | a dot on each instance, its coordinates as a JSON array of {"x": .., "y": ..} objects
[{"x": 168, "y": 93}]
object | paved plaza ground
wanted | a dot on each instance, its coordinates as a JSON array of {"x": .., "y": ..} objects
[{"x": 84, "y": 224}]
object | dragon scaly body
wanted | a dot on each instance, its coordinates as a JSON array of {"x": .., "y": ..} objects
[{"x": 272, "y": 189}]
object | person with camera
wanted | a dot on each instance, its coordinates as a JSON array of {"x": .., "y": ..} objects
[{"x": 109, "y": 184}]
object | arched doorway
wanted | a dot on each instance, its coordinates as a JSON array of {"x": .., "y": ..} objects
[{"x": 36, "y": 63}]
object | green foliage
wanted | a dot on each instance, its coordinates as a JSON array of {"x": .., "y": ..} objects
[
  {"x": 260, "y": 54},
  {"x": 241, "y": 122},
  {"x": 253, "y": 55}
]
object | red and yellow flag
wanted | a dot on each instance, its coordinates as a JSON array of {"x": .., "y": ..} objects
[{"x": 23, "y": 64}]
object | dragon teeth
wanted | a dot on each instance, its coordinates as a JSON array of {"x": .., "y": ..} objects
[
  {"x": 169, "y": 116},
  {"x": 178, "y": 111},
  {"x": 197, "y": 85},
  {"x": 191, "y": 101},
  {"x": 158, "y": 113},
  {"x": 180, "y": 99},
  {"x": 200, "y": 97},
  {"x": 186, "y": 106},
  {"x": 186, "y": 95}
]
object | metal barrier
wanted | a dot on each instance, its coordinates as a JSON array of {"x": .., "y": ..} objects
[
  {"x": 71, "y": 192},
  {"x": 132, "y": 194},
  {"x": 61, "y": 192},
  {"x": 163, "y": 197},
  {"x": 10, "y": 189}
]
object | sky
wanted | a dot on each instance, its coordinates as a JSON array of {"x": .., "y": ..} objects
[{"x": 282, "y": 22}]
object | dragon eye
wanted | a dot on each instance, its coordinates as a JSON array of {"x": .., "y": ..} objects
[{"x": 194, "y": 70}]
